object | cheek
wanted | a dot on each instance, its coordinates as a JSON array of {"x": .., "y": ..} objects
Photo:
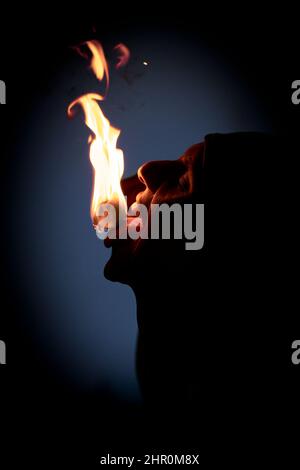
[{"x": 168, "y": 193}]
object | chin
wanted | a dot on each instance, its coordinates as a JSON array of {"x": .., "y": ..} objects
[
  {"x": 121, "y": 265},
  {"x": 113, "y": 272}
]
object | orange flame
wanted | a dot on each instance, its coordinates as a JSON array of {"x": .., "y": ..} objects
[
  {"x": 124, "y": 55},
  {"x": 106, "y": 158},
  {"x": 98, "y": 62}
]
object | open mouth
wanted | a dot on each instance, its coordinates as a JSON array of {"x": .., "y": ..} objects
[
  {"x": 121, "y": 233},
  {"x": 134, "y": 219}
]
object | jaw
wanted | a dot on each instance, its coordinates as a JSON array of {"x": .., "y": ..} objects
[{"x": 122, "y": 265}]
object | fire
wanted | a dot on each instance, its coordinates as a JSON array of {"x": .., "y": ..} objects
[
  {"x": 124, "y": 55},
  {"x": 98, "y": 62},
  {"x": 106, "y": 158}
]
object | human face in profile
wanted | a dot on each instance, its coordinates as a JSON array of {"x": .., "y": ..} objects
[{"x": 156, "y": 182}]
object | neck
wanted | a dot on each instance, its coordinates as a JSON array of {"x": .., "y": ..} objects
[
  {"x": 162, "y": 299},
  {"x": 168, "y": 332}
]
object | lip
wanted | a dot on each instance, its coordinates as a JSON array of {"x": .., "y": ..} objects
[{"x": 108, "y": 242}]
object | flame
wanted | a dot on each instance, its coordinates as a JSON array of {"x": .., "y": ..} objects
[
  {"x": 98, "y": 62},
  {"x": 106, "y": 158},
  {"x": 124, "y": 55}
]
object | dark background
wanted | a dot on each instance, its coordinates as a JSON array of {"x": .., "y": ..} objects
[{"x": 51, "y": 404}]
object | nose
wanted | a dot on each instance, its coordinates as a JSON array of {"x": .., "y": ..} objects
[{"x": 154, "y": 174}]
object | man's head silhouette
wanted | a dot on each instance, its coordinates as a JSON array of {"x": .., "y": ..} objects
[
  {"x": 157, "y": 182},
  {"x": 196, "y": 310}
]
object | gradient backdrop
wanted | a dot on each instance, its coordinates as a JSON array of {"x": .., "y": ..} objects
[{"x": 84, "y": 326}]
